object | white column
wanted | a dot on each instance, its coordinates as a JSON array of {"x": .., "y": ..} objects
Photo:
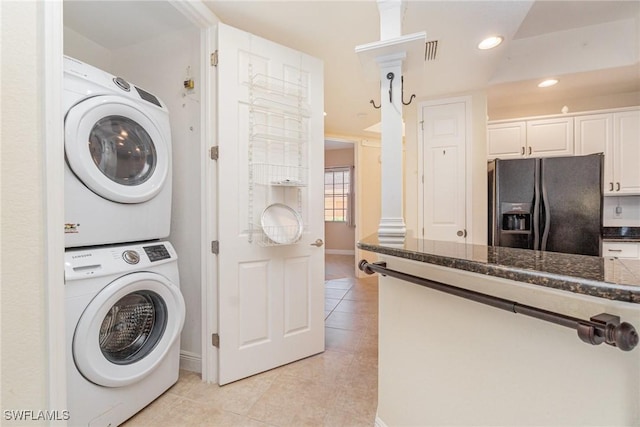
[
  {"x": 392, "y": 227},
  {"x": 391, "y": 12}
]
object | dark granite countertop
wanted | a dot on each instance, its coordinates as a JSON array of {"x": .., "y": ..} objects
[{"x": 609, "y": 278}]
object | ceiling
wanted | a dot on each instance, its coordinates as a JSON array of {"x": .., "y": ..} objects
[
  {"x": 593, "y": 47},
  {"x": 540, "y": 41}
]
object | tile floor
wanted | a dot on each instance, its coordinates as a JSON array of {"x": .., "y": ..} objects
[{"x": 335, "y": 388}]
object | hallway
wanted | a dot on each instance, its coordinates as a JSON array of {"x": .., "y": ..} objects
[{"x": 334, "y": 388}]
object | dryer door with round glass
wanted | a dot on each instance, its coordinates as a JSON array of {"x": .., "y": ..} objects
[
  {"x": 116, "y": 149},
  {"x": 127, "y": 329}
]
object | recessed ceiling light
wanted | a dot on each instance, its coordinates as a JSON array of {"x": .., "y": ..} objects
[
  {"x": 547, "y": 83},
  {"x": 490, "y": 42}
]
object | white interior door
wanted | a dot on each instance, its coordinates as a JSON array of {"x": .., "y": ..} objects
[
  {"x": 444, "y": 171},
  {"x": 271, "y": 142}
]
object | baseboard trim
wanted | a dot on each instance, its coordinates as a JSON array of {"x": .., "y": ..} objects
[
  {"x": 190, "y": 361},
  {"x": 340, "y": 251}
]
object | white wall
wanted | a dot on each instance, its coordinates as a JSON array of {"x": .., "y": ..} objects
[
  {"x": 339, "y": 237},
  {"x": 24, "y": 346},
  {"x": 83, "y": 49},
  {"x": 160, "y": 66},
  {"x": 630, "y": 215},
  {"x": 593, "y": 103},
  {"x": 369, "y": 197}
]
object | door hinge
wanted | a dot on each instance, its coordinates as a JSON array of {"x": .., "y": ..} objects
[
  {"x": 214, "y": 153},
  {"x": 215, "y": 247},
  {"x": 214, "y": 58},
  {"x": 215, "y": 340}
]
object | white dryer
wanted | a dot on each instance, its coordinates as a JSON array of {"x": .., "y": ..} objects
[
  {"x": 117, "y": 159},
  {"x": 124, "y": 315}
]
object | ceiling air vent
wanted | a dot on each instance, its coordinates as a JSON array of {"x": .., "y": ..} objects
[{"x": 430, "y": 50}]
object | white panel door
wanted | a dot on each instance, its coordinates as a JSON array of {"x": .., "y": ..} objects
[
  {"x": 271, "y": 142},
  {"x": 444, "y": 159}
]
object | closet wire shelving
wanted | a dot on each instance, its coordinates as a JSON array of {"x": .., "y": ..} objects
[{"x": 277, "y": 161}]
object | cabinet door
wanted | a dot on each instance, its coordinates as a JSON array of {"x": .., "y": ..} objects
[
  {"x": 506, "y": 140},
  {"x": 626, "y": 140},
  {"x": 550, "y": 137},
  {"x": 594, "y": 134}
]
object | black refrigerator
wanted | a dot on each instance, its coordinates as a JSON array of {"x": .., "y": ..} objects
[{"x": 548, "y": 204}]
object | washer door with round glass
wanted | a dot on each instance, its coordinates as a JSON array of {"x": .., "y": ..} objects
[
  {"x": 128, "y": 329},
  {"x": 116, "y": 149}
]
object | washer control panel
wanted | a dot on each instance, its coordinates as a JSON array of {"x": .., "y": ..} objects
[{"x": 102, "y": 261}]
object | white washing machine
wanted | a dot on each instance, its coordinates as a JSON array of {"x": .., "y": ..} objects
[
  {"x": 117, "y": 159},
  {"x": 124, "y": 315}
]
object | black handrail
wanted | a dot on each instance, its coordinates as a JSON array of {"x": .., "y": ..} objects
[{"x": 604, "y": 327}]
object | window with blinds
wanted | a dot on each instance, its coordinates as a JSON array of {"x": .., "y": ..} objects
[{"x": 337, "y": 184}]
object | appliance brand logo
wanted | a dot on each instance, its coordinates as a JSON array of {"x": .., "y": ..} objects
[
  {"x": 81, "y": 256},
  {"x": 71, "y": 228}
]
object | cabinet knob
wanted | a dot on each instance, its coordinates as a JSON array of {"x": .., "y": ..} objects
[
  {"x": 462, "y": 233},
  {"x": 522, "y": 151},
  {"x": 617, "y": 186},
  {"x": 530, "y": 151},
  {"x": 611, "y": 186}
]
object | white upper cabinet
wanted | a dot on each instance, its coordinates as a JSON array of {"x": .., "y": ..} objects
[
  {"x": 530, "y": 138},
  {"x": 507, "y": 140},
  {"x": 626, "y": 152},
  {"x": 550, "y": 137},
  {"x": 594, "y": 134},
  {"x": 617, "y": 135}
]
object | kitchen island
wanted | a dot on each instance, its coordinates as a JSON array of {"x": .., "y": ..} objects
[{"x": 445, "y": 360}]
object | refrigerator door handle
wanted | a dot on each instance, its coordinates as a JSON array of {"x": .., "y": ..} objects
[
  {"x": 547, "y": 213},
  {"x": 536, "y": 208}
]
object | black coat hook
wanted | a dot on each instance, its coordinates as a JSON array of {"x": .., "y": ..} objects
[
  {"x": 410, "y": 98},
  {"x": 390, "y": 77}
]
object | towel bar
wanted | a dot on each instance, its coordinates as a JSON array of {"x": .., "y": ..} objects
[{"x": 601, "y": 328}]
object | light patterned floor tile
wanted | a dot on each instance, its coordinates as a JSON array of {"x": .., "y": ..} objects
[{"x": 337, "y": 388}]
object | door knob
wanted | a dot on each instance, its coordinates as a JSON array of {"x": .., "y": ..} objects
[{"x": 317, "y": 243}]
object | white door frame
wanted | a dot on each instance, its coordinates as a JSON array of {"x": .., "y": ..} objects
[
  {"x": 53, "y": 128},
  {"x": 468, "y": 157},
  {"x": 206, "y": 20}
]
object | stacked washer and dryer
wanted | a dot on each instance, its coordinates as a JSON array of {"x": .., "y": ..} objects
[{"x": 124, "y": 309}]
